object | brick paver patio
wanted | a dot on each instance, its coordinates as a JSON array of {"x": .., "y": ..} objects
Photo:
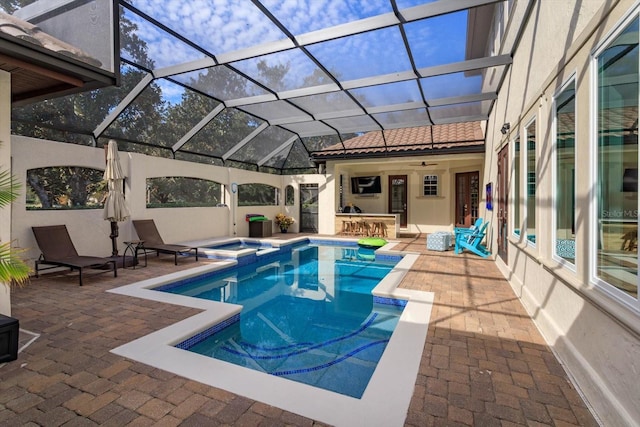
[{"x": 484, "y": 362}]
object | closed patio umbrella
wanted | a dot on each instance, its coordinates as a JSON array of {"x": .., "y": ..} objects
[{"x": 115, "y": 208}]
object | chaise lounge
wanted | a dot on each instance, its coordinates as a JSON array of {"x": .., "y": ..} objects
[
  {"x": 58, "y": 251},
  {"x": 148, "y": 233}
]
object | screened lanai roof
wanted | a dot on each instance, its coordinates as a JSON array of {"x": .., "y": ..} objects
[{"x": 268, "y": 85}]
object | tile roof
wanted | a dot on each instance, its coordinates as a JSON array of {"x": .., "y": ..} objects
[
  {"x": 44, "y": 67},
  {"x": 441, "y": 138},
  {"x": 12, "y": 26}
]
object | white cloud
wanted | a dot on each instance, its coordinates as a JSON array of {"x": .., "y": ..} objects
[
  {"x": 302, "y": 16},
  {"x": 219, "y": 26},
  {"x": 222, "y": 26}
]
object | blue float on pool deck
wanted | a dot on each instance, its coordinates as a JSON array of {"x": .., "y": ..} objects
[{"x": 372, "y": 242}]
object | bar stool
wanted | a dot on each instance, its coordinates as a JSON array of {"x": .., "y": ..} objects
[
  {"x": 379, "y": 229},
  {"x": 357, "y": 228},
  {"x": 365, "y": 228},
  {"x": 383, "y": 228},
  {"x": 348, "y": 227}
]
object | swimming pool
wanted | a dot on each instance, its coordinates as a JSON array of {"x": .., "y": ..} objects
[
  {"x": 309, "y": 316},
  {"x": 386, "y": 398}
]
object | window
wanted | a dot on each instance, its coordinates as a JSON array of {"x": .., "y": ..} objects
[
  {"x": 616, "y": 164},
  {"x": 65, "y": 187},
  {"x": 430, "y": 185},
  {"x": 257, "y": 195},
  {"x": 181, "y": 192},
  {"x": 531, "y": 182},
  {"x": 289, "y": 195},
  {"x": 564, "y": 173},
  {"x": 517, "y": 219}
]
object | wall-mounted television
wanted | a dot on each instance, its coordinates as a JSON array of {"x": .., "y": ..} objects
[{"x": 366, "y": 185}]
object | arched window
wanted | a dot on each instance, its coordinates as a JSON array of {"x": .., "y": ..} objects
[
  {"x": 289, "y": 198},
  {"x": 65, "y": 187},
  {"x": 180, "y": 191},
  {"x": 257, "y": 195}
]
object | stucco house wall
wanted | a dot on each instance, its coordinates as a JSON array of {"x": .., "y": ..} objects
[
  {"x": 596, "y": 337},
  {"x": 425, "y": 214}
]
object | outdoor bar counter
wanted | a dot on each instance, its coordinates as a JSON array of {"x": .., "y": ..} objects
[{"x": 367, "y": 224}]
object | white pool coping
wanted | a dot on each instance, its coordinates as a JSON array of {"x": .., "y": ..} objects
[{"x": 385, "y": 401}]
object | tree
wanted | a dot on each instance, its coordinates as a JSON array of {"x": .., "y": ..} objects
[
  {"x": 73, "y": 119},
  {"x": 68, "y": 185},
  {"x": 257, "y": 195},
  {"x": 182, "y": 191}
]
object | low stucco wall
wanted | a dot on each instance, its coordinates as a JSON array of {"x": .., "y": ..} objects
[{"x": 90, "y": 232}]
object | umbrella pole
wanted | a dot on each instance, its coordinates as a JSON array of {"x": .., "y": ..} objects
[{"x": 114, "y": 237}]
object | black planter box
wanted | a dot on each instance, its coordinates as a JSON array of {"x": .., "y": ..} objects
[
  {"x": 8, "y": 339},
  {"x": 260, "y": 228}
]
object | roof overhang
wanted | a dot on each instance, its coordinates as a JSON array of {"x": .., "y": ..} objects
[
  {"x": 42, "y": 66},
  {"x": 478, "y": 148},
  {"x": 37, "y": 75},
  {"x": 478, "y": 31}
]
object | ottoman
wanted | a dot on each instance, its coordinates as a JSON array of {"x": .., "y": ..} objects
[{"x": 439, "y": 241}]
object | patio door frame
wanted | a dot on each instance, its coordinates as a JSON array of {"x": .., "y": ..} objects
[
  {"x": 404, "y": 198},
  {"x": 467, "y": 208},
  {"x": 502, "y": 197},
  {"x": 308, "y": 196}
]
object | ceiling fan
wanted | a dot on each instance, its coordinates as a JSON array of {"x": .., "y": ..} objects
[{"x": 423, "y": 164}]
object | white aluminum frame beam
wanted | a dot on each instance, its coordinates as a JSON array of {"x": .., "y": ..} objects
[
  {"x": 361, "y": 26},
  {"x": 111, "y": 117},
  {"x": 468, "y": 65},
  {"x": 186, "y": 67},
  {"x": 461, "y": 119},
  {"x": 338, "y": 31},
  {"x": 282, "y": 147},
  {"x": 245, "y": 141},
  {"x": 348, "y": 29},
  {"x": 396, "y": 107},
  {"x": 440, "y": 8},
  {"x": 489, "y": 96},
  {"x": 197, "y": 128}
]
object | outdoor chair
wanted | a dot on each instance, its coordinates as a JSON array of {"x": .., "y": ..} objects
[
  {"x": 148, "y": 233},
  {"x": 476, "y": 225},
  {"x": 472, "y": 241},
  {"x": 58, "y": 251}
]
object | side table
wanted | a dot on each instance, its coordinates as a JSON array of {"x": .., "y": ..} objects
[{"x": 134, "y": 246}]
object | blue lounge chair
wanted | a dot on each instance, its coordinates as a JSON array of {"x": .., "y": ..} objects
[{"x": 472, "y": 241}]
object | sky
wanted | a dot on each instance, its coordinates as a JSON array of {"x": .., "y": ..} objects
[{"x": 223, "y": 26}]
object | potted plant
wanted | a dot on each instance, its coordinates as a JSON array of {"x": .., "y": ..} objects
[{"x": 283, "y": 222}]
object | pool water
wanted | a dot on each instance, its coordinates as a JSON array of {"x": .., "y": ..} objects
[{"x": 308, "y": 315}]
